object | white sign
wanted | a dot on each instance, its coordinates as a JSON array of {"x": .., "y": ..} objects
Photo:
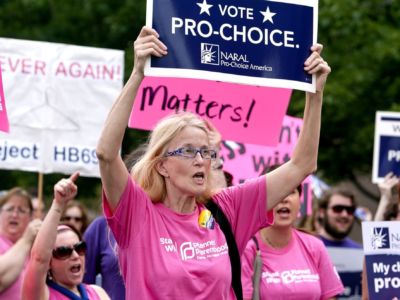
[
  {"x": 58, "y": 98},
  {"x": 386, "y": 145}
]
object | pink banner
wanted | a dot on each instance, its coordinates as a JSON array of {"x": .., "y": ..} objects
[
  {"x": 241, "y": 113},
  {"x": 246, "y": 161},
  {"x": 4, "y": 126}
]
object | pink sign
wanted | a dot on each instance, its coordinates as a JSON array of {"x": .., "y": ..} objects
[
  {"x": 242, "y": 113},
  {"x": 246, "y": 161},
  {"x": 4, "y": 126}
]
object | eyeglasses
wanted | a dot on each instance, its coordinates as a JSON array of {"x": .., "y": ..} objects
[
  {"x": 70, "y": 218},
  {"x": 19, "y": 210},
  {"x": 190, "y": 152},
  {"x": 339, "y": 208},
  {"x": 65, "y": 252}
]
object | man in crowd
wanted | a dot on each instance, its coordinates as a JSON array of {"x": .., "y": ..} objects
[{"x": 336, "y": 217}]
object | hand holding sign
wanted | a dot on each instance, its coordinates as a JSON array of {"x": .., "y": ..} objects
[
  {"x": 146, "y": 44},
  {"x": 315, "y": 64}
]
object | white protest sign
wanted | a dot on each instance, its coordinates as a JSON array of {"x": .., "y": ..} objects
[
  {"x": 58, "y": 98},
  {"x": 386, "y": 145}
]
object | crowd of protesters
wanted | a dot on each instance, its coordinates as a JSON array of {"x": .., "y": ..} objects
[{"x": 174, "y": 227}]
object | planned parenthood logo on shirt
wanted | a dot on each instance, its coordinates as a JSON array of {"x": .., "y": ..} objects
[
  {"x": 194, "y": 250},
  {"x": 258, "y": 42},
  {"x": 380, "y": 238}
]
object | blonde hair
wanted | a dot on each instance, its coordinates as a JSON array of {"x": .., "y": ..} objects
[{"x": 145, "y": 173}]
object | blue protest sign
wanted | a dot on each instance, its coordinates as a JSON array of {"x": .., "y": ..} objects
[
  {"x": 381, "y": 242},
  {"x": 348, "y": 263},
  {"x": 259, "y": 42},
  {"x": 387, "y": 145}
]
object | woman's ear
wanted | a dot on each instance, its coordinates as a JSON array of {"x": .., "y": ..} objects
[{"x": 161, "y": 169}]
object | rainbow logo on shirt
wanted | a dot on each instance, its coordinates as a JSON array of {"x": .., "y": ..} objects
[{"x": 206, "y": 220}]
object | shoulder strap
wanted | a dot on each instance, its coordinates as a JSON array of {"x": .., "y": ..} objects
[
  {"x": 257, "y": 266},
  {"x": 255, "y": 242},
  {"x": 234, "y": 256}
]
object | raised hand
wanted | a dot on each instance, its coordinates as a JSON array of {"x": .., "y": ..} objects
[
  {"x": 315, "y": 64},
  {"x": 388, "y": 183},
  {"x": 31, "y": 230},
  {"x": 66, "y": 189},
  {"x": 214, "y": 135},
  {"x": 146, "y": 44}
]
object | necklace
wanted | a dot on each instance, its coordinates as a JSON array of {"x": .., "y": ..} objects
[{"x": 273, "y": 245}]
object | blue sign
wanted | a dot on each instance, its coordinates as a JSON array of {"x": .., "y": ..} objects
[
  {"x": 383, "y": 276},
  {"x": 389, "y": 155},
  {"x": 381, "y": 241},
  {"x": 387, "y": 145},
  {"x": 259, "y": 42}
]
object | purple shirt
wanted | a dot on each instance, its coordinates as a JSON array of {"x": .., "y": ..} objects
[
  {"x": 101, "y": 259},
  {"x": 345, "y": 243}
]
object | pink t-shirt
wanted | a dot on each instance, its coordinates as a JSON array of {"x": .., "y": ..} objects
[
  {"x": 55, "y": 295},
  {"x": 14, "y": 290},
  {"x": 167, "y": 255},
  {"x": 302, "y": 270}
]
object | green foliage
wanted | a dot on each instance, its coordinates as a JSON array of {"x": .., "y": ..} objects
[
  {"x": 361, "y": 44},
  {"x": 361, "y": 40}
]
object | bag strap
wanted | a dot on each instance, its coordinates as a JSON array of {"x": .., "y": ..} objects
[
  {"x": 234, "y": 255},
  {"x": 257, "y": 266}
]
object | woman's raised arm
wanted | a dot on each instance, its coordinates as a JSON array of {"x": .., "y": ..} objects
[
  {"x": 283, "y": 180},
  {"x": 112, "y": 169}
]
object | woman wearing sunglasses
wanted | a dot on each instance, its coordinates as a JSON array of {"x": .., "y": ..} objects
[
  {"x": 75, "y": 214},
  {"x": 170, "y": 246},
  {"x": 55, "y": 270}
]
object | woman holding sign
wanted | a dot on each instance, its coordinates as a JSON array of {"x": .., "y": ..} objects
[{"x": 170, "y": 246}]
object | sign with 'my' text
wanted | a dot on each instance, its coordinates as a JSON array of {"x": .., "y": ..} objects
[
  {"x": 381, "y": 242},
  {"x": 246, "y": 114},
  {"x": 58, "y": 97},
  {"x": 386, "y": 145},
  {"x": 251, "y": 42}
]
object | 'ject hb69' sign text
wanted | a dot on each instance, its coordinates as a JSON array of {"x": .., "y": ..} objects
[
  {"x": 258, "y": 42},
  {"x": 58, "y": 97}
]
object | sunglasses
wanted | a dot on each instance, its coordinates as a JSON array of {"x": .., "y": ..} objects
[
  {"x": 339, "y": 208},
  {"x": 68, "y": 218},
  {"x": 64, "y": 252}
]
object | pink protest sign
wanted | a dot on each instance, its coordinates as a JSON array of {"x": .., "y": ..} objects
[
  {"x": 242, "y": 113},
  {"x": 246, "y": 161},
  {"x": 4, "y": 126}
]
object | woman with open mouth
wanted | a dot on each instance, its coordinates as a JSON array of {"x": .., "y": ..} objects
[
  {"x": 281, "y": 262},
  {"x": 169, "y": 244},
  {"x": 17, "y": 233},
  {"x": 55, "y": 270}
]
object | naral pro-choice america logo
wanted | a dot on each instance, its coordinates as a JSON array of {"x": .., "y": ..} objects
[
  {"x": 380, "y": 238},
  {"x": 209, "y": 54}
]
